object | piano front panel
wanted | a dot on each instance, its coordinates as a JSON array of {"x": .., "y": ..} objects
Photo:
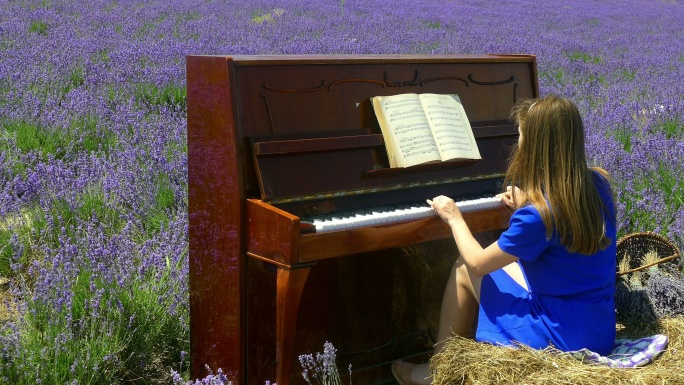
[
  {"x": 329, "y": 94},
  {"x": 366, "y": 167},
  {"x": 288, "y": 98}
]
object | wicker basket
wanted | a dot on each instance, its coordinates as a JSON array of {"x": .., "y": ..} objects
[{"x": 635, "y": 246}]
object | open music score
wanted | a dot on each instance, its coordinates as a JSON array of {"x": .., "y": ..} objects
[{"x": 424, "y": 128}]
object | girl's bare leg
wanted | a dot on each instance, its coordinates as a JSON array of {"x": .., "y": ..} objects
[
  {"x": 457, "y": 315},
  {"x": 459, "y": 304}
]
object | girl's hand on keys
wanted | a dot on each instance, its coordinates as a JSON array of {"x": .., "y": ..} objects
[
  {"x": 445, "y": 207},
  {"x": 508, "y": 199}
]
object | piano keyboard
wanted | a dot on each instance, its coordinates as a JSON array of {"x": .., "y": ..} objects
[{"x": 383, "y": 215}]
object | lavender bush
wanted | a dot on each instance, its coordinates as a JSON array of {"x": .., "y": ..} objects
[{"x": 93, "y": 159}]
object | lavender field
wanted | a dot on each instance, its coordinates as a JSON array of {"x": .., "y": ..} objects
[{"x": 93, "y": 155}]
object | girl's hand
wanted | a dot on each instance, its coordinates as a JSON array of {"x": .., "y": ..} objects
[
  {"x": 507, "y": 198},
  {"x": 445, "y": 207}
]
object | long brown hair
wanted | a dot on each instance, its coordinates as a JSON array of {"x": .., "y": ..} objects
[{"x": 549, "y": 165}]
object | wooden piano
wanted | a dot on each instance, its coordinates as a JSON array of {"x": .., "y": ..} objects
[{"x": 277, "y": 141}]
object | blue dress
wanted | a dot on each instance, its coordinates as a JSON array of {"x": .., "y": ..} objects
[{"x": 570, "y": 302}]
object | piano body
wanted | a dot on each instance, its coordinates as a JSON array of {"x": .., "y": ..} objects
[{"x": 275, "y": 142}]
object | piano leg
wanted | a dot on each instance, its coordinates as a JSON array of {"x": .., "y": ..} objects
[{"x": 290, "y": 283}]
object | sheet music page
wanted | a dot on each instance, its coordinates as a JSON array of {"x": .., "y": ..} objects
[
  {"x": 450, "y": 126},
  {"x": 412, "y": 141}
]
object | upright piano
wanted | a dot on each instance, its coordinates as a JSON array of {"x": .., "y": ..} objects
[{"x": 301, "y": 233}]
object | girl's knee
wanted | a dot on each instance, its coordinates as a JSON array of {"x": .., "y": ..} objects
[{"x": 466, "y": 279}]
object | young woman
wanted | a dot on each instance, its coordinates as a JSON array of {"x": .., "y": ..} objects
[{"x": 549, "y": 279}]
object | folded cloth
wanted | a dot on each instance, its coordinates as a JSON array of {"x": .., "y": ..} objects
[{"x": 626, "y": 353}]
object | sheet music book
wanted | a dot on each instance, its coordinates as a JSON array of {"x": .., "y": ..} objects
[{"x": 424, "y": 128}]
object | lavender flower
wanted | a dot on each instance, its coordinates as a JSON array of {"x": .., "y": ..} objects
[
  {"x": 665, "y": 290},
  {"x": 323, "y": 368}
]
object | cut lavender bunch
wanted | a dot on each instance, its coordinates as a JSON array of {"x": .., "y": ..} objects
[{"x": 322, "y": 369}]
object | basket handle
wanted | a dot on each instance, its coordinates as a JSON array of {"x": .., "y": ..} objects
[{"x": 671, "y": 257}]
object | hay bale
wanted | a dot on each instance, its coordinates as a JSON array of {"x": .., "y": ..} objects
[{"x": 464, "y": 361}]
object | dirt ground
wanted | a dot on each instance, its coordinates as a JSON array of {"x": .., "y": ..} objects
[{"x": 6, "y": 304}]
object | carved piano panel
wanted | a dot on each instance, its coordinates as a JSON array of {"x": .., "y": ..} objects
[{"x": 273, "y": 140}]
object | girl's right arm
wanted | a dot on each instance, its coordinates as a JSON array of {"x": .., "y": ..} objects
[{"x": 480, "y": 261}]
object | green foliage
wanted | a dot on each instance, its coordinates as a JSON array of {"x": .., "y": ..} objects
[
  {"x": 102, "y": 56},
  {"x": 556, "y": 75},
  {"x": 30, "y": 136},
  {"x": 156, "y": 334},
  {"x": 92, "y": 137},
  {"x": 173, "y": 149},
  {"x": 75, "y": 79},
  {"x": 425, "y": 47},
  {"x": 146, "y": 29},
  {"x": 164, "y": 201},
  {"x": 113, "y": 93},
  {"x": 90, "y": 203},
  {"x": 666, "y": 180},
  {"x": 39, "y": 27},
  {"x": 26, "y": 227},
  {"x": 672, "y": 128},
  {"x": 624, "y": 136},
  {"x": 6, "y": 252},
  {"x": 88, "y": 360},
  {"x": 84, "y": 134},
  {"x": 108, "y": 334},
  {"x": 660, "y": 178},
  {"x": 584, "y": 57},
  {"x": 63, "y": 216},
  {"x": 190, "y": 15},
  {"x": 93, "y": 203},
  {"x": 628, "y": 75},
  {"x": 5, "y": 85},
  {"x": 165, "y": 197},
  {"x": 170, "y": 94}
]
